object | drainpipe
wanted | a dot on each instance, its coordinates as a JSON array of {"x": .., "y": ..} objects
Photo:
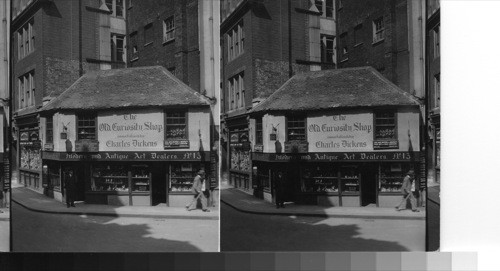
[{"x": 290, "y": 67}]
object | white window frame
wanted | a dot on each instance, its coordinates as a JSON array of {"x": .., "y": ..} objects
[
  {"x": 169, "y": 29},
  {"x": 378, "y": 30},
  {"x": 115, "y": 48},
  {"x": 324, "y": 48},
  {"x": 113, "y": 7}
]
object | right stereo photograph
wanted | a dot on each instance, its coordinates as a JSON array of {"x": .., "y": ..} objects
[{"x": 330, "y": 125}]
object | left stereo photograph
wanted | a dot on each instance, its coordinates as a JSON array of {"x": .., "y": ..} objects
[{"x": 114, "y": 126}]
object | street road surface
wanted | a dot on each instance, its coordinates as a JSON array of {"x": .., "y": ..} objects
[
  {"x": 37, "y": 232},
  {"x": 4, "y": 235},
  {"x": 249, "y": 232}
]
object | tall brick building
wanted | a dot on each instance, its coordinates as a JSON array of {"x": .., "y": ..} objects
[
  {"x": 53, "y": 44},
  {"x": 263, "y": 44},
  {"x": 433, "y": 90},
  {"x": 183, "y": 37}
]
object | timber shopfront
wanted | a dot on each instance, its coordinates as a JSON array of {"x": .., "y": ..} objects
[
  {"x": 341, "y": 150},
  {"x": 144, "y": 153}
]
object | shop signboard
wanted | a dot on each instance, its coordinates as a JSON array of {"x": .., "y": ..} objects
[
  {"x": 336, "y": 156},
  {"x": 340, "y": 132},
  {"x": 133, "y": 131},
  {"x": 258, "y": 148},
  {"x": 48, "y": 146},
  {"x": 194, "y": 156},
  {"x": 176, "y": 144}
]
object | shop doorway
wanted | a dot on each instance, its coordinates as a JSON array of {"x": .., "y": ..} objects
[
  {"x": 159, "y": 185},
  {"x": 368, "y": 185},
  {"x": 79, "y": 175},
  {"x": 288, "y": 182}
]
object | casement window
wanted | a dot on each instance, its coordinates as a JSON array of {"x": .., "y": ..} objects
[
  {"x": 378, "y": 30},
  {"x": 117, "y": 47},
  {"x": 49, "y": 129},
  {"x": 436, "y": 41},
  {"x": 133, "y": 45},
  {"x": 86, "y": 126},
  {"x": 148, "y": 34},
  {"x": 258, "y": 131},
  {"x": 26, "y": 90},
  {"x": 343, "y": 45},
  {"x": 176, "y": 125},
  {"x": 236, "y": 89},
  {"x": 169, "y": 29},
  {"x": 325, "y": 7},
  {"x": 437, "y": 91},
  {"x": 116, "y": 7},
  {"x": 235, "y": 41},
  {"x": 327, "y": 48},
  {"x": 357, "y": 35},
  {"x": 26, "y": 39},
  {"x": 296, "y": 128},
  {"x": 385, "y": 125}
]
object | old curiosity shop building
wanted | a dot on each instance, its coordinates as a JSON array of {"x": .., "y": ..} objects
[
  {"x": 132, "y": 136},
  {"x": 342, "y": 137}
]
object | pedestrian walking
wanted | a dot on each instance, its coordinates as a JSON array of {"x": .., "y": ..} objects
[
  {"x": 408, "y": 190},
  {"x": 279, "y": 189},
  {"x": 70, "y": 184},
  {"x": 201, "y": 191}
]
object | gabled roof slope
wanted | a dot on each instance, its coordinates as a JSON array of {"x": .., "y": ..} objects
[
  {"x": 341, "y": 88},
  {"x": 121, "y": 88}
]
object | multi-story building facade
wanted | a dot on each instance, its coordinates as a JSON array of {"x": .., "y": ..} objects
[
  {"x": 4, "y": 102},
  {"x": 53, "y": 44},
  {"x": 183, "y": 37},
  {"x": 433, "y": 87},
  {"x": 263, "y": 44}
]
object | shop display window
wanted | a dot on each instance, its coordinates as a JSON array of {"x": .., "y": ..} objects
[
  {"x": 391, "y": 177},
  {"x": 320, "y": 179},
  {"x": 110, "y": 178},
  {"x": 141, "y": 178},
  {"x": 182, "y": 177},
  {"x": 349, "y": 179},
  {"x": 54, "y": 177},
  {"x": 263, "y": 177}
]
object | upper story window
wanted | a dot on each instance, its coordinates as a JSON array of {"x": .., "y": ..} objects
[
  {"x": 148, "y": 34},
  {"x": 86, "y": 126},
  {"x": 327, "y": 48},
  {"x": 117, "y": 48},
  {"x": 358, "y": 38},
  {"x": 26, "y": 90},
  {"x": 176, "y": 125},
  {"x": 385, "y": 125},
  {"x": 436, "y": 41},
  {"x": 26, "y": 39},
  {"x": 49, "y": 129},
  {"x": 343, "y": 45},
  {"x": 236, "y": 87},
  {"x": 236, "y": 41},
  {"x": 168, "y": 29},
  {"x": 116, "y": 7},
  {"x": 378, "y": 30},
  {"x": 325, "y": 7},
  {"x": 436, "y": 97},
  {"x": 258, "y": 131},
  {"x": 296, "y": 128},
  {"x": 133, "y": 44}
]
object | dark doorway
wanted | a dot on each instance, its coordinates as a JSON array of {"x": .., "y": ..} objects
[
  {"x": 368, "y": 185},
  {"x": 80, "y": 183},
  {"x": 289, "y": 177},
  {"x": 159, "y": 184}
]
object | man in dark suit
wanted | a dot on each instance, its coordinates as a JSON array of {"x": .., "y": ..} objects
[
  {"x": 279, "y": 189},
  {"x": 70, "y": 184},
  {"x": 200, "y": 189},
  {"x": 408, "y": 188}
]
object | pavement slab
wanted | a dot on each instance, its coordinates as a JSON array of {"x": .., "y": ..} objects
[
  {"x": 40, "y": 203},
  {"x": 248, "y": 203}
]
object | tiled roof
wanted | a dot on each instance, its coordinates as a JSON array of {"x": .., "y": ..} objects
[
  {"x": 121, "y": 88},
  {"x": 338, "y": 88}
]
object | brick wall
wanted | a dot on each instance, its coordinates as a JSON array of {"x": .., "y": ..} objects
[
  {"x": 390, "y": 56},
  {"x": 182, "y": 53}
]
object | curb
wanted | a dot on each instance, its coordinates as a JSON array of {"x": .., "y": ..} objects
[
  {"x": 117, "y": 215},
  {"x": 322, "y": 215}
]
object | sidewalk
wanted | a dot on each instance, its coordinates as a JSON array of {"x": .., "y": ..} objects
[
  {"x": 249, "y": 204},
  {"x": 40, "y": 203}
]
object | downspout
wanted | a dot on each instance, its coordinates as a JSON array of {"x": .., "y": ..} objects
[
  {"x": 290, "y": 67},
  {"x": 80, "y": 39}
]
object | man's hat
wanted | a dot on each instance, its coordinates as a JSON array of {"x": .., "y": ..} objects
[
  {"x": 201, "y": 171},
  {"x": 411, "y": 172}
]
